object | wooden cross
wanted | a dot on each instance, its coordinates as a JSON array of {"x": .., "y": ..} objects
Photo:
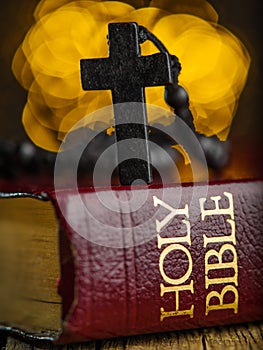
[{"x": 126, "y": 73}]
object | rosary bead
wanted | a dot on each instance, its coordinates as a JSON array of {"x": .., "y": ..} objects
[
  {"x": 26, "y": 152},
  {"x": 8, "y": 164},
  {"x": 27, "y": 156},
  {"x": 176, "y": 97},
  {"x": 186, "y": 116},
  {"x": 217, "y": 152},
  {"x": 8, "y": 149}
]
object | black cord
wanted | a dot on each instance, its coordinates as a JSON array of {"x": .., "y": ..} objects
[
  {"x": 145, "y": 34},
  {"x": 216, "y": 152}
]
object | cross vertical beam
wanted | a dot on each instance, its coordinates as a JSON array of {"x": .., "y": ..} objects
[{"x": 126, "y": 73}]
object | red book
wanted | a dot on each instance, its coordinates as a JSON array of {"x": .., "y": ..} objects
[
  {"x": 184, "y": 260},
  {"x": 171, "y": 257}
]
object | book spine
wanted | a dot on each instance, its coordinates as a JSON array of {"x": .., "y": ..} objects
[{"x": 182, "y": 257}]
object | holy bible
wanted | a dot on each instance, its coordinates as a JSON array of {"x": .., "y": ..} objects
[{"x": 190, "y": 257}]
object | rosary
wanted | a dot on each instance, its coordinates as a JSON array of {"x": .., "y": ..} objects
[{"x": 126, "y": 73}]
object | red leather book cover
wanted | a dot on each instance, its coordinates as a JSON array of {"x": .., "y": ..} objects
[{"x": 173, "y": 257}]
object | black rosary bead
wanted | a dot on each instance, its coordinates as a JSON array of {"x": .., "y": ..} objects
[
  {"x": 217, "y": 152},
  {"x": 27, "y": 156},
  {"x": 177, "y": 98},
  {"x": 8, "y": 164}
]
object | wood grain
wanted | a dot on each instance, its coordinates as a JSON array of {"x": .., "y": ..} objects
[{"x": 239, "y": 337}]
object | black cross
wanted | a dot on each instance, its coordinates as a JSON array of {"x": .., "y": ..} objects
[{"x": 126, "y": 73}]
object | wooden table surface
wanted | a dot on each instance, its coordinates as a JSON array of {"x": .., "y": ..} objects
[{"x": 238, "y": 337}]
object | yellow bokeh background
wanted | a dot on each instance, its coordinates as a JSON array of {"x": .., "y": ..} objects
[{"x": 214, "y": 62}]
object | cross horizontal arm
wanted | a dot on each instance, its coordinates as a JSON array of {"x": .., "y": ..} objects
[
  {"x": 97, "y": 74},
  {"x": 155, "y": 70}
]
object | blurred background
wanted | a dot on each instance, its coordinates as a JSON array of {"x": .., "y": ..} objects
[{"x": 241, "y": 17}]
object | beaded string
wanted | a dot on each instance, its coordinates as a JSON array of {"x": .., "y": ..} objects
[
  {"x": 216, "y": 151},
  {"x": 15, "y": 157}
]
